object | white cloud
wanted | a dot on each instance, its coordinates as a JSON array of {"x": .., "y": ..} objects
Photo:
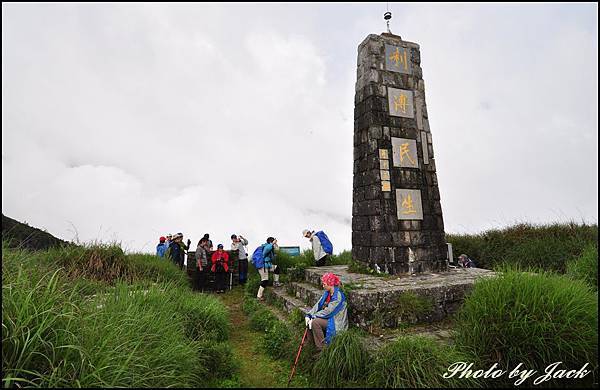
[{"x": 131, "y": 122}]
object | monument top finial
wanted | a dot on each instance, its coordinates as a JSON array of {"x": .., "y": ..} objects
[{"x": 387, "y": 16}]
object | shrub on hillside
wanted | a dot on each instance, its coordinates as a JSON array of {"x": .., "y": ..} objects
[
  {"x": 296, "y": 318},
  {"x": 585, "y": 267},
  {"x": 262, "y": 319},
  {"x": 205, "y": 317},
  {"x": 252, "y": 283},
  {"x": 534, "y": 319},
  {"x": 341, "y": 258},
  {"x": 416, "y": 362},
  {"x": 105, "y": 263},
  {"x": 250, "y": 305},
  {"x": 276, "y": 341},
  {"x": 344, "y": 361},
  {"x": 546, "y": 247},
  {"x": 218, "y": 359}
]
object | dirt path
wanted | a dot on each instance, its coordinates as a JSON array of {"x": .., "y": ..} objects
[{"x": 257, "y": 369}]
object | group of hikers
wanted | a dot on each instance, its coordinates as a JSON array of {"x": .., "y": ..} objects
[{"x": 327, "y": 317}]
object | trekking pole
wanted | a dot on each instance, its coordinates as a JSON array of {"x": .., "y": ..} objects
[{"x": 297, "y": 356}]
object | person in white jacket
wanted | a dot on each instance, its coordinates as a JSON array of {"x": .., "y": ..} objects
[
  {"x": 320, "y": 255},
  {"x": 239, "y": 243}
]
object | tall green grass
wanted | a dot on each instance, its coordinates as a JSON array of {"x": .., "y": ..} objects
[
  {"x": 585, "y": 267},
  {"x": 344, "y": 361},
  {"x": 547, "y": 247},
  {"x": 416, "y": 362},
  {"x": 98, "y": 262},
  {"x": 96, "y": 331},
  {"x": 534, "y": 319},
  {"x": 276, "y": 341}
]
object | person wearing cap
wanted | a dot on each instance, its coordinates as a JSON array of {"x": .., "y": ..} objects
[
  {"x": 220, "y": 267},
  {"x": 176, "y": 250},
  {"x": 183, "y": 250},
  {"x": 465, "y": 262},
  {"x": 319, "y": 253},
  {"x": 268, "y": 257},
  {"x": 169, "y": 239},
  {"x": 238, "y": 243},
  {"x": 161, "y": 248},
  {"x": 329, "y": 316},
  {"x": 209, "y": 244}
]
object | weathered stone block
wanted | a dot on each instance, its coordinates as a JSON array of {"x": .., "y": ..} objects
[
  {"x": 360, "y": 223},
  {"x": 361, "y": 238},
  {"x": 401, "y": 238},
  {"x": 376, "y": 223},
  {"x": 381, "y": 239}
]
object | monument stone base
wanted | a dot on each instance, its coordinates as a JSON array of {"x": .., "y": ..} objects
[{"x": 387, "y": 301}]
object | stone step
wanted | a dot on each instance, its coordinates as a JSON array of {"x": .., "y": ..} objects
[
  {"x": 306, "y": 292},
  {"x": 288, "y": 302}
]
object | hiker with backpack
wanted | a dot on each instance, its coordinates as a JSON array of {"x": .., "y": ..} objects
[
  {"x": 220, "y": 268},
  {"x": 162, "y": 247},
  {"x": 321, "y": 246},
  {"x": 329, "y": 315},
  {"x": 262, "y": 260},
  {"x": 238, "y": 243}
]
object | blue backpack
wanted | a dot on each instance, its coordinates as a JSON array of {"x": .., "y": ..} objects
[
  {"x": 327, "y": 246},
  {"x": 257, "y": 257}
]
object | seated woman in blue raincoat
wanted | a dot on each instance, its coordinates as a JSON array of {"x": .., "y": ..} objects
[{"x": 329, "y": 316}]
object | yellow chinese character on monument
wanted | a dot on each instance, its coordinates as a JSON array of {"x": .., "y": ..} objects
[
  {"x": 404, "y": 151},
  {"x": 400, "y": 103},
  {"x": 407, "y": 205},
  {"x": 397, "y": 58}
]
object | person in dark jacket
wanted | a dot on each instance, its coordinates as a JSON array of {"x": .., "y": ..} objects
[
  {"x": 220, "y": 267},
  {"x": 177, "y": 250},
  {"x": 174, "y": 250},
  {"x": 209, "y": 244}
]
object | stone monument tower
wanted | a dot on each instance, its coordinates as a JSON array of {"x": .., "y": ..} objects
[{"x": 396, "y": 215}]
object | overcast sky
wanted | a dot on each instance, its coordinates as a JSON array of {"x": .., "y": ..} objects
[{"x": 127, "y": 122}]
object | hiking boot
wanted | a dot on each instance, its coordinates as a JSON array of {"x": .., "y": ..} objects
[
  {"x": 260, "y": 298},
  {"x": 277, "y": 284}
]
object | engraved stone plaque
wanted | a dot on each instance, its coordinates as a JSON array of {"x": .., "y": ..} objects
[
  {"x": 384, "y": 164},
  {"x": 397, "y": 59},
  {"x": 386, "y": 186},
  {"x": 385, "y": 175},
  {"x": 404, "y": 152},
  {"x": 408, "y": 204},
  {"x": 401, "y": 102},
  {"x": 383, "y": 154}
]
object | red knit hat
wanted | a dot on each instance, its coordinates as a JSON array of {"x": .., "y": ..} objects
[
  {"x": 330, "y": 279},
  {"x": 162, "y": 239}
]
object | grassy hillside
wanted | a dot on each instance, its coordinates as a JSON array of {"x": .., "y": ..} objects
[
  {"x": 21, "y": 235},
  {"x": 547, "y": 247},
  {"x": 91, "y": 316}
]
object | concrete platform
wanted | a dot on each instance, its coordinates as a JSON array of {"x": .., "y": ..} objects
[{"x": 388, "y": 301}]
